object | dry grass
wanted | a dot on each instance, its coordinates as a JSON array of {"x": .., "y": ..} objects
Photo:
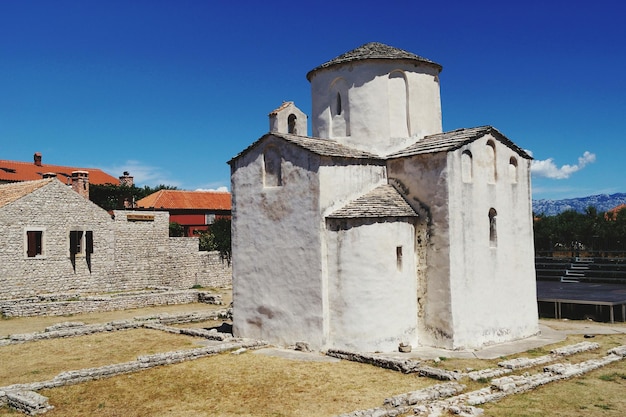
[
  {"x": 258, "y": 385},
  {"x": 230, "y": 385},
  {"x": 597, "y": 394},
  {"x": 39, "y": 361}
]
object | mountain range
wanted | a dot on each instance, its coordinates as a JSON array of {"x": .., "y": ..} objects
[{"x": 602, "y": 202}]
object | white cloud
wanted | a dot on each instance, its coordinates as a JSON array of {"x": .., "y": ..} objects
[
  {"x": 218, "y": 189},
  {"x": 144, "y": 174},
  {"x": 548, "y": 169}
]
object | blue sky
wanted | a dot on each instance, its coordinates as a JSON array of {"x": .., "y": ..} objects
[{"x": 171, "y": 90}]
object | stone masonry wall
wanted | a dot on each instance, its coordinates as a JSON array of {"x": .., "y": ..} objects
[
  {"x": 55, "y": 211},
  {"x": 188, "y": 267},
  {"x": 131, "y": 252},
  {"x": 63, "y": 304}
]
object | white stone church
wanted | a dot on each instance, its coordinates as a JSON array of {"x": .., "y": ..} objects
[{"x": 381, "y": 229}]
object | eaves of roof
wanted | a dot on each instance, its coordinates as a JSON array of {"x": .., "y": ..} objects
[
  {"x": 452, "y": 140},
  {"x": 14, "y": 191},
  {"x": 373, "y": 50},
  {"x": 382, "y": 201},
  {"x": 322, "y": 147},
  {"x": 192, "y": 200}
]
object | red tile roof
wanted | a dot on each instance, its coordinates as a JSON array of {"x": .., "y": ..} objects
[
  {"x": 12, "y": 171},
  {"x": 178, "y": 199},
  {"x": 614, "y": 211}
]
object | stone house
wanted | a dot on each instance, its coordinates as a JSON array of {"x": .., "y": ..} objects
[
  {"x": 54, "y": 240},
  {"x": 381, "y": 229}
]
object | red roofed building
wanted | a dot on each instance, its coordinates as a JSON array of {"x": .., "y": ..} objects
[
  {"x": 612, "y": 213},
  {"x": 194, "y": 210},
  {"x": 13, "y": 171}
]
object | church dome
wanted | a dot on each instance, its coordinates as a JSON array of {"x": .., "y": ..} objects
[{"x": 373, "y": 50}]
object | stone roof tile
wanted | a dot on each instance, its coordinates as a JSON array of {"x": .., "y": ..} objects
[
  {"x": 14, "y": 191},
  {"x": 449, "y": 141},
  {"x": 373, "y": 50},
  {"x": 323, "y": 147},
  {"x": 382, "y": 201}
]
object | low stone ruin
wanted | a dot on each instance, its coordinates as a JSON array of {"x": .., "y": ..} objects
[
  {"x": 24, "y": 398},
  {"x": 64, "y": 304},
  {"x": 440, "y": 399}
]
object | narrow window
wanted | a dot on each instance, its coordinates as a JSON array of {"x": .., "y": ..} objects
[
  {"x": 88, "y": 247},
  {"x": 76, "y": 242},
  {"x": 272, "y": 163},
  {"x": 513, "y": 169},
  {"x": 291, "y": 124},
  {"x": 466, "y": 166},
  {"x": 493, "y": 233},
  {"x": 399, "y": 257},
  {"x": 338, "y": 104},
  {"x": 34, "y": 239},
  {"x": 88, "y": 242},
  {"x": 491, "y": 162}
]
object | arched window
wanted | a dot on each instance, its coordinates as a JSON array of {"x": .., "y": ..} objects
[
  {"x": 272, "y": 173},
  {"x": 339, "y": 109},
  {"x": 338, "y": 104},
  {"x": 513, "y": 169},
  {"x": 291, "y": 124},
  {"x": 491, "y": 162},
  {"x": 493, "y": 232},
  {"x": 466, "y": 166},
  {"x": 398, "y": 105}
]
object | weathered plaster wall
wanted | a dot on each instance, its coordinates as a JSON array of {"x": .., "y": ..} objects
[
  {"x": 343, "y": 181},
  {"x": 493, "y": 293},
  {"x": 279, "y": 120},
  {"x": 372, "y": 287},
  {"x": 277, "y": 283},
  {"x": 370, "y": 100},
  {"x": 423, "y": 179}
]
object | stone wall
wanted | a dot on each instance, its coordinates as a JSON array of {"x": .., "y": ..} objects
[
  {"x": 131, "y": 251},
  {"x": 63, "y": 304},
  {"x": 188, "y": 267}
]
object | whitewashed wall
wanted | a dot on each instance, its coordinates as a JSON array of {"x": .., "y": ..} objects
[
  {"x": 493, "y": 292},
  {"x": 374, "y": 105},
  {"x": 372, "y": 294},
  {"x": 425, "y": 177},
  {"x": 277, "y": 286}
]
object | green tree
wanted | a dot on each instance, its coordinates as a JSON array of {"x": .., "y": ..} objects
[
  {"x": 112, "y": 197},
  {"x": 176, "y": 230},
  {"x": 218, "y": 238}
]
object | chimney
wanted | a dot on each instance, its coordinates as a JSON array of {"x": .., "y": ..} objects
[
  {"x": 37, "y": 158},
  {"x": 49, "y": 175},
  {"x": 126, "y": 180},
  {"x": 80, "y": 183}
]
